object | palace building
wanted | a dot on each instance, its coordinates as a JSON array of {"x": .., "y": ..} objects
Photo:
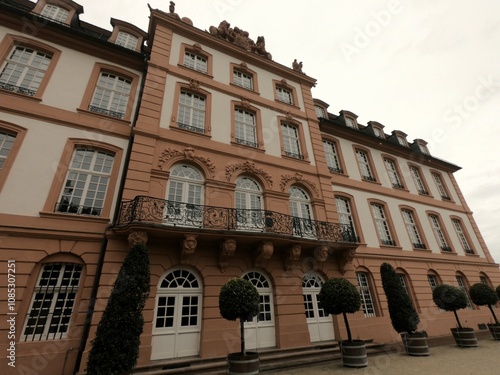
[{"x": 218, "y": 158}]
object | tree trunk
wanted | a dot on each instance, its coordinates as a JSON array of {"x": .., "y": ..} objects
[
  {"x": 493, "y": 312},
  {"x": 242, "y": 335},
  {"x": 349, "y": 337},
  {"x": 458, "y": 320}
]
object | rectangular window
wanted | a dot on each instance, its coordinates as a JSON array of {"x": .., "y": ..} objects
[
  {"x": 440, "y": 186},
  {"x": 191, "y": 112},
  {"x": 284, "y": 95},
  {"x": 23, "y": 70},
  {"x": 245, "y": 129},
  {"x": 366, "y": 295},
  {"x": 462, "y": 286},
  {"x": 438, "y": 232},
  {"x": 332, "y": 159},
  {"x": 55, "y": 13},
  {"x": 243, "y": 80},
  {"x": 111, "y": 95},
  {"x": 52, "y": 303},
  {"x": 291, "y": 141},
  {"x": 6, "y": 143},
  {"x": 351, "y": 123},
  {"x": 382, "y": 225},
  {"x": 127, "y": 40},
  {"x": 364, "y": 165},
  {"x": 392, "y": 171},
  {"x": 345, "y": 215},
  {"x": 195, "y": 62},
  {"x": 320, "y": 112},
  {"x": 419, "y": 182},
  {"x": 412, "y": 228},
  {"x": 461, "y": 236},
  {"x": 86, "y": 182}
]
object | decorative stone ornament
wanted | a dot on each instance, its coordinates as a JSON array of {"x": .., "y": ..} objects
[
  {"x": 227, "y": 250},
  {"x": 292, "y": 257},
  {"x": 137, "y": 237},
  {"x": 321, "y": 253},
  {"x": 345, "y": 257},
  {"x": 264, "y": 253},
  {"x": 188, "y": 247}
]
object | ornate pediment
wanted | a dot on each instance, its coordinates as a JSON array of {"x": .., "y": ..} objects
[
  {"x": 298, "y": 177},
  {"x": 240, "y": 38},
  {"x": 187, "y": 154},
  {"x": 248, "y": 167}
]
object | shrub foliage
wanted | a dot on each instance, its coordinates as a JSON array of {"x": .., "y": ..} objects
[
  {"x": 115, "y": 348},
  {"x": 404, "y": 317},
  {"x": 450, "y": 298},
  {"x": 484, "y": 295}
]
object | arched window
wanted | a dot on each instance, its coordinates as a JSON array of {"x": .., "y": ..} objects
[
  {"x": 301, "y": 210},
  {"x": 249, "y": 204},
  {"x": 185, "y": 196}
]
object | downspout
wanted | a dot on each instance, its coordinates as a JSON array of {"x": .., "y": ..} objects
[{"x": 100, "y": 262}]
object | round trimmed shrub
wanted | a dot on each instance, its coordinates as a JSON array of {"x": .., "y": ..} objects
[{"x": 450, "y": 298}]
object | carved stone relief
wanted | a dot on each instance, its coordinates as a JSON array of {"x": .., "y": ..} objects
[
  {"x": 137, "y": 237},
  {"x": 263, "y": 253},
  {"x": 248, "y": 167},
  {"x": 227, "y": 250},
  {"x": 188, "y": 154},
  {"x": 285, "y": 179}
]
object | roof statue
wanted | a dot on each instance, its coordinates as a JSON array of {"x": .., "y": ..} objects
[
  {"x": 297, "y": 66},
  {"x": 240, "y": 38}
]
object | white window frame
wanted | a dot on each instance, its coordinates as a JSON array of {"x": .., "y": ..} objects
[
  {"x": 411, "y": 226},
  {"x": 245, "y": 127},
  {"x": 364, "y": 165},
  {"x": 111, "y": 95},
  {"x": 53, "y": 302},
  {"x": 320, "y": 111},
  {"x": 332, "y": 157},
  {"x": 351, "y": 123},
  {"x": 127, "y": 40},
  {"x": 439, "y": 233},
  {"x": 440, "y": 186},
  {"x": 463, "y": 287},
  {"x": 87, "y": 182},
  {"x": 344, "y": 212},
  {"x": 291, "y": 140},
  {"x": 284, "y": 95},
  {"x": 23, "y": 71},
  {"x": 457, "y": 224},
  {"x": 382, "y": 224},
  {"x": 7, "y": 140},
  {"x": 364, "y": 288},
  {"x": 392, "y": 171},
  {"x": 55, "y": 13},
  {"x": 192, "y": 111},
  {"x": 417, "y": 179},
  {"x": 243, "y": 79},
  {"x": 311, "y": 286},
  {"x": 249, "y": 204},
  {"x": 195, "y": 62},
  {"x": 301, "y": 212}
]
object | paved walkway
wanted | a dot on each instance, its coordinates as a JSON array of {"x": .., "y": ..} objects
[{"x": 443, "y": 360}]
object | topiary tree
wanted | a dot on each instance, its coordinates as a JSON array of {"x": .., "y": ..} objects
[
  {"x": 115, "y": 348},
  {"x": 498, "y": 291},
  {"x": 450, "y": 298},
  {"x": 239, "y": 299},
  {"x": 484, "y": 295},
  {"x": 340, "y": 296},
  {"x": 404, "y": 317}
]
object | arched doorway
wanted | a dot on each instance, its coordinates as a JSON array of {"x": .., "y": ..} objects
[
  {"x": 319, "y": 323},
  {"x": 177, "y": 319},
  {"x": 260, "y": 332}
]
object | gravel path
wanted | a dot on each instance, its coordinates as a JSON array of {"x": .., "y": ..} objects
[{"x": 443, "y": 360}]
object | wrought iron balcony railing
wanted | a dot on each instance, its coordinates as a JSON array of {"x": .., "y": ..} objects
[{"x": 145, "y": 209}]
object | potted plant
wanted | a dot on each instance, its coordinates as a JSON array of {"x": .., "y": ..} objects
[
  {"x": 340, "y": 296},
  {"x": 451, "y": 298},
  {"x": 404, "y": 317},
  {"x": 239, "y": 299},
  {"x": 484, "y": 295}
]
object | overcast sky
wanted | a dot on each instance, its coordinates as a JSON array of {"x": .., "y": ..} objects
[{"x": 430, "y": 68}]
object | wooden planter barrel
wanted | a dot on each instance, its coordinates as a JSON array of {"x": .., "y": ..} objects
[
  {"x": 354, "y": 353},
  {"x": 416, "y": 343},
  {"x": 465, "y": 337},
  {"x": 248, "y": 364},
  {"x": 495, "y": 330}
]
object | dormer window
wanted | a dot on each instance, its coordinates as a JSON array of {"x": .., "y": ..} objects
[
  {"x": 378, "y": 133},
  {"x": 402, "y": 141},
  {"x": 320, "y": 111},
  {"x": 351, "y": 123},
  {"x": 127, "y": 40},
  {"x": 55, "y": 13}
]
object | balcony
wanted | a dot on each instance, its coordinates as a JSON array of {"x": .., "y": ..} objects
[{"x": 170, "y": 214}]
